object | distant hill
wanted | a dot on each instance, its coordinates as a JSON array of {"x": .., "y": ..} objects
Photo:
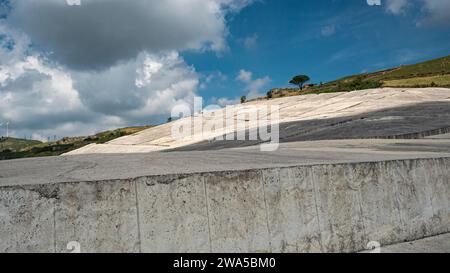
[
  {"x": 16, "y": 144},
  {"x": 12, "y": 148},
  {"x": 434, "y": 73}
]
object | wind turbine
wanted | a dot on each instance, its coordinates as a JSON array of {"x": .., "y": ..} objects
[{"x": 7, "y": 127}]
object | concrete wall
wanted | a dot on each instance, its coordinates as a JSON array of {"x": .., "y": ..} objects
[{"x": 324, "y": 208}]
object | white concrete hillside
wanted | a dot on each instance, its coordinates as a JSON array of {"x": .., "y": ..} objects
[{"x": 313, "y": 112}]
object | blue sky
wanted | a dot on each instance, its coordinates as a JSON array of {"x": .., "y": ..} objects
[
  {"x": 322, "y": 38},
  {"x": 76, "y": 67}
]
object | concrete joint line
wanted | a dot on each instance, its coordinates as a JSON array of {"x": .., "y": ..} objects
[{"x": 207, "y": 215}]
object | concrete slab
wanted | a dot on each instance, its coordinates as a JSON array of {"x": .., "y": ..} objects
[
  {"x": 339, "y": 208},
  {"x": 26, "y": 220},
  {"x": 380, "y": 206},
  {"x": 101, "y": 217},
  {"x": 164, "y": 203},
  {"x": 386, "y": 112},
  {"x": 279, "y": 209},
  {"x": 125, "y": 166},
  {"x": 291, "y": 211},
  {"x": 237, "y": 211}
]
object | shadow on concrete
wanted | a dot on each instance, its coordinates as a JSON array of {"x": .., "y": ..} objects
[{"x": 407, "y": 122}]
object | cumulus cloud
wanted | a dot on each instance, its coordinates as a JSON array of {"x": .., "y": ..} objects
[
  {"x": 99, "y": 33},
  {"x": 250, "y": 41},
  {"x": 215, "y": 77},
  {"x": 396, "y": 6},
  {"x": 432, "y": 12},
  {"x": 41, "y": 97},
  {"x": 437, "y": 12},
  {"x": 35, "y": 96},
  {"x": 244, "y": 76},
  {"x": 143, "y": 88},
  {"x": 253, "y": 87},
  {"x": 98, "y": 64},
  {"x": 224, "y": 101}
]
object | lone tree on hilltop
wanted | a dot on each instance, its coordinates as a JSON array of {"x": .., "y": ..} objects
[{"x": 299, "y": 80}]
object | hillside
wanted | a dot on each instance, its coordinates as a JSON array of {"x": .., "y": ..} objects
[
  {"x": 16, "y": 144},
  {"x": 433, "y": 73},
  {"x": 12, "y": 148}
]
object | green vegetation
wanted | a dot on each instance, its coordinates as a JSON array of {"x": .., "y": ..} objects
[
  {"x": 243, "y": 99},
  {"x": 434, "y": 73},
  {"x": 12, "y": 148},
  {"x": 441, "y": 80},
  {"x": 299, "y": 80},
  {"x": 16, "y": 144}
]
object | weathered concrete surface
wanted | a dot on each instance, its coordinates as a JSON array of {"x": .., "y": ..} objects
[
  {"x": 309, "y": 196},
  {"x": 319, "y": 208},
  {"x": 128, "y": 166},
  {"x": 101, "y": 216},
  {"x": 173, "y": 214},
  {"x": 375, "y": 113}
]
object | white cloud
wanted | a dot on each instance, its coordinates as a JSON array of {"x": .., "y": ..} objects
[
  {"x": 250, "y": 41},
  {"x": 244, "y": 76},
  {"x": 224, "y": 101},
  {"x": 142, "y": 89},
  {"x": 104, "y": 63},
  {"x": 328, "y": 30},
  {"x": 208, "y": 78},
  {"x": 41, "y": 98},
  {"x": 99, "y": 33},
  {"x": 396, "y": 6},
  {"x": 35, "y": 96},
  {"x": 256, "y": 87},
  {"x": 437, "y": 12},
  {"x": 253, "y": 87},
  {"x": 73, "y": 2},
  {"x": 432, "y": 12}
]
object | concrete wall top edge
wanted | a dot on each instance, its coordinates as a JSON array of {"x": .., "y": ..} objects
[{"x": 169, "y": 178}]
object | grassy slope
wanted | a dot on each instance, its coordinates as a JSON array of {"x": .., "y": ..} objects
[
  {"x": 16, "y": 144},
  {"x": 440, "y": 80},
  {"x": 12, "y": 148},
  {"x": 434, "y": 73}
]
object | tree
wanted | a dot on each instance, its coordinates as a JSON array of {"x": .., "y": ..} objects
[
  {"x": 299, "y": 80},
  {"x": 243, "y": 99}
]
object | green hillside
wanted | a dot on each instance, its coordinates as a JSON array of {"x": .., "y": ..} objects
[
  {"x": 12, "y": 148},
  {"x": 434, "y": 73},
  {"x": 16, "y": 144}
]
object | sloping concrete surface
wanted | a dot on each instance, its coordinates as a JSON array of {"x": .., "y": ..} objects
[{"x": 406, "y": 113}]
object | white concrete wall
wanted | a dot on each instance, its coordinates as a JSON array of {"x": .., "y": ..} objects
[{"x": 325, "y": 208}]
